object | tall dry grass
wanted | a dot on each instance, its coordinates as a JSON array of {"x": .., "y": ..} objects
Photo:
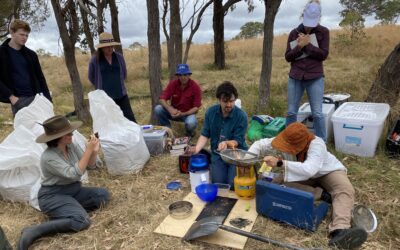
[{"x": 139, "y": 201}]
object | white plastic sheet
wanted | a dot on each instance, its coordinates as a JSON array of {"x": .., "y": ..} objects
[
  {"x": 20, "y": 170},
  {"x": 121, "y": 140}
]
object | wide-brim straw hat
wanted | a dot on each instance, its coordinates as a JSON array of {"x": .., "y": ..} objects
[
  {"x": 293, "y": 139},
  {"x": 56, "y": 127},
  {"x": 106, "y": 40}
]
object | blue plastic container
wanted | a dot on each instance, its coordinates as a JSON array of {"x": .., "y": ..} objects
[
  {"x": 207, "y": 192},
  {"x": 198, "y": 162}
]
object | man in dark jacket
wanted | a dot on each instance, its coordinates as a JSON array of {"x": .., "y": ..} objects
[{"x": 21, "y": 76}]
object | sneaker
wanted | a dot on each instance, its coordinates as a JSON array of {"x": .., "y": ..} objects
[
  {"x": 325, "y": 196},
  {"x": 349, "y": 238}
]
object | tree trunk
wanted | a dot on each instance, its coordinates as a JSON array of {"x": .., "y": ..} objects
[
  {"x": 193, "y": 30},
  {"x": 100, "y": 15},
  {"x": 115, "y": 24},
  {"x": 174, "y": 44},
  {"x": 69, "y": 37},
  {"x": 153, "y": 37},
  {"x": 86, "y": 30},
  {"x": 271, "y": 8},
  {"x": 218, "y": 27},
  {"x": 386, "y": 87}
]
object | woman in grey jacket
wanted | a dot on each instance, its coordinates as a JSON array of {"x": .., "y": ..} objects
[{"x": 61, "y": 196}]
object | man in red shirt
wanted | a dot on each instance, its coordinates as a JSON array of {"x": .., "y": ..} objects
[{"x": 184, "y": 96}]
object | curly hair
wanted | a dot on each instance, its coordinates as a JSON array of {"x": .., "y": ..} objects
[{"x": 225, "y": 91}]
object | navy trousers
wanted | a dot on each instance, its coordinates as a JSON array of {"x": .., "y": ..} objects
[{"x": 72, "y": 202}]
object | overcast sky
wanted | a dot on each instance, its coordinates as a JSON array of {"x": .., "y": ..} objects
[{"x": 133, "y": 23}]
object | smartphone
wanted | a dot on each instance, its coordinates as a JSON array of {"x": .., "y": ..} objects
[{"x": 97, "y": 135}]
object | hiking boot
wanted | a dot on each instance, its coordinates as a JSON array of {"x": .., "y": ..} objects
[
  {"x": 325, "y": 196},
  {"x": 350, "y": 238}
]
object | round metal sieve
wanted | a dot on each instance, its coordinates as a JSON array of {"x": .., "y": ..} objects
[{"x": 180, "y": 209}]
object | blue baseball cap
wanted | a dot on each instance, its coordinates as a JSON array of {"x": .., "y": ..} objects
[{"x": 183, "y": 69}]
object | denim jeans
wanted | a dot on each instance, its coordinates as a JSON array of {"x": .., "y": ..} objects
[
  {"x": 315, "y": 93},
  {"x": 164, "y": 116},
  {"x": 72, "y": 202},
  {"x": 222, "y": 172}
]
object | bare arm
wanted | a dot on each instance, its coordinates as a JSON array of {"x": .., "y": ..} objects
[
  {"x": 173, "y": 111},
  {"x": 191, "y": 111},
  {"x": 201, "y": 142}
]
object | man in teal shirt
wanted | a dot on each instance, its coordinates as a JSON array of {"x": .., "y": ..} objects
[{"x": 225, "y": 125}]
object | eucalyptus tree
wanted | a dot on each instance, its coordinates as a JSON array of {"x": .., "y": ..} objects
[
  {"x": 271, "y": 9},
  {"x": 177, "y": 11},
  {"x": 153, "y": 38},
  {"x": 355, "y": 11},
  {"x": 220, "y": 11},
  {"x": 65, "y": 12},
  {"x": 35, "y": 12}
]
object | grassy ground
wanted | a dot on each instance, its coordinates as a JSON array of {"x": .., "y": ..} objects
[{"x": 139, "y": 202}]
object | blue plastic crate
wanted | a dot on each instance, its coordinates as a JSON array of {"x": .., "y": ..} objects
[{"x": 289, "y": 205}]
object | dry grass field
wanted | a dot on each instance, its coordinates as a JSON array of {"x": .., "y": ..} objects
[{"x": 139, "y": 201}]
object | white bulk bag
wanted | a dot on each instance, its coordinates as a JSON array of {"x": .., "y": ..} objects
[
  {"x": 39, "y": 110},
  {"x": 20, "y": 155},
  {"x": 20, "y": 166},
  {"x": 121, "y": 140}
]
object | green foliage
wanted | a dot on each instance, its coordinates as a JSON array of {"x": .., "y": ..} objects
[
  {"x": 35, "y": 12},
  {"x": 353, "y": 23},
  {"x": 387, "y": 11},
  {"x": 250, "y": 30}
]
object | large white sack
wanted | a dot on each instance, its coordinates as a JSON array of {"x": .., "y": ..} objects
[
  {"x": 20, "y": 166},
  {"x": 20, "y": 170},
  {"x": 39, "y": 110},
  {"x": 121, "y": 140}
]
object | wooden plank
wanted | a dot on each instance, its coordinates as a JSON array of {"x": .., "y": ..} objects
[{"x": 179, "y": 227}]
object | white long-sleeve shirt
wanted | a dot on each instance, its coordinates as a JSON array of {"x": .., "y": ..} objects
[{"x": 319, "y": 161}]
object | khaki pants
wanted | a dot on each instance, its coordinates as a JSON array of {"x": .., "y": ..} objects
[{"x": 338, "y": 185}]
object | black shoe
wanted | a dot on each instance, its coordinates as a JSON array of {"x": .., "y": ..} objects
[
  {"x": 350, "y": 238},
  {"x": 325, "y": 196}
]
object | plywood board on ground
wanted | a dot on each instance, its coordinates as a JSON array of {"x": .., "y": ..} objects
[{"x": 179, "y": 227}]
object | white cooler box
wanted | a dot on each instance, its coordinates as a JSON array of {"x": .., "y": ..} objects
[
  {"x": 358, "y": 127},
  {"x": 304, "y": 116}
]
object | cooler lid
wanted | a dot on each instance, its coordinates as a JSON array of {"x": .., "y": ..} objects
[
  {"x": 198, "y": 162},
  {"x": 367, "y": 112},
  {"x": 327, "y": 108},
  {"x": 154, "y": 133},
  {"x": 337, "y": 97}
]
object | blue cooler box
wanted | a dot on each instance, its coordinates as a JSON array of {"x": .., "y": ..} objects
[{"x": 289, "y": 205}]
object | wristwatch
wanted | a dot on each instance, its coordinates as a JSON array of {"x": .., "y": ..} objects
[{"x": 279, "y": 163}]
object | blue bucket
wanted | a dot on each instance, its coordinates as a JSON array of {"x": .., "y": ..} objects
[{"x": 198, "y": 162}]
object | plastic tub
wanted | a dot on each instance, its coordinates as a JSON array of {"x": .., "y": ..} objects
[
  {"x": 223, "y": 189},
  {"x": 304, "y": 116},
  {"x": 155, "y": 140},
  {"x": 358, "y": 126}
]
